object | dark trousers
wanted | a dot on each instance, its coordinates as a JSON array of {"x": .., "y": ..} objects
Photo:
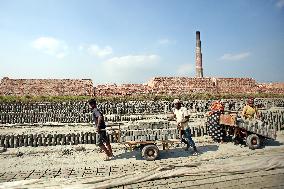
[{"x": 187, "y": 139}]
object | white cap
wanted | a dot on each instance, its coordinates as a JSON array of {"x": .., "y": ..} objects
[{"x": 176, "y": 101}]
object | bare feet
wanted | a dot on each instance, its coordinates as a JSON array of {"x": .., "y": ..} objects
[{"x": 195, "y": 153}]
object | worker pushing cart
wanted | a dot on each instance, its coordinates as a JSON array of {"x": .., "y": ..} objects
[
  {"x": 99, "y": 123},
  {"x": 182, "y": 117},
  {"x": 247, "y": 128}
]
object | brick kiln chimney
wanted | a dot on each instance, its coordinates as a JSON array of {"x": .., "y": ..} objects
[{"x": 198, "y": 56}]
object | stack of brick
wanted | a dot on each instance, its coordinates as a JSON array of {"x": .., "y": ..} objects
[
  {"x": 180, "y": 85},
  {"x": 80, "y": 112},
  {"x": 156, "y": 86},
  {"x": 261, "y": 129},
  {"x": 143, "y": 130},
  {"x": 273, "y": 118},
  {"x": 146, "y": 130},
  {"x": 34, "y": 140},
  {"x": 46, "y": 87},
  {"x": 236, "y": 85},
  {"x": 276, "y": 88},
  {"x": 122, "y": 90},
  {"x": 188, "y": 85},
  {"x": 152, "y": 130},
  {"x": 71, "y": 112}
]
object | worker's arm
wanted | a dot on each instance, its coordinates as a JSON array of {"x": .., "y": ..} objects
[
  {"x": 98, "y": 120},
  {"x": 171, "y": 116},
  {"x": 96, "y": 125},
  {"x": 244, "y": 111},
  {"x": 186, "y": 118},
  {"x": 186, "y": 115},
  {"x": 256, "y": 113}
]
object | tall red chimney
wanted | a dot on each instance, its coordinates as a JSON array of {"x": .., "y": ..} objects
[{"x": 198, "y": 56}]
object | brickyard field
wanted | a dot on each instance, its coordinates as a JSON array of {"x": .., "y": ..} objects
[
  {"x": 52, "y": 145},
  {"x": 82, "y": 166},
  {"x": 120, "y": 94}
]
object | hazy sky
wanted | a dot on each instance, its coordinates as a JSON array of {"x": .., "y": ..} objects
[{"x": 130, "y": 41}]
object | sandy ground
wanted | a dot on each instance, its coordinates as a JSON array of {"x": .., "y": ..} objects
[{"x": 217, "y": 166}]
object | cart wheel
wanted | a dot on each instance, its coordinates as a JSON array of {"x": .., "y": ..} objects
[
  {"x": 150, "y": 152},
  {"x": 253, "y": 141}
]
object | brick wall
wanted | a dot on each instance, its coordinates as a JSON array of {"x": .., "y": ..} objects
[
  {"x": 236, "y": 85},
  {"x": 186, "y": 85},
  {"x": 271, "y": 87},
  {"x": 46, "y": 87},
  {"x": 156, "y": 86},
  {"x": 121, "y": 90}
]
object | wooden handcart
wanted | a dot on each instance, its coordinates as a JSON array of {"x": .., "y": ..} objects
[
  {"x": 149, "y": 149},
  {"x": 252, "y": 135}
]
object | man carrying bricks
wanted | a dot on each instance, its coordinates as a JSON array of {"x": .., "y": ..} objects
[
  {"x": 181, "y": 115},
  {"x": 100, "y": 126}
]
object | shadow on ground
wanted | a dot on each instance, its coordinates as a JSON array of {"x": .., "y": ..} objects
[
  {"x": 166, "y": 154},
  {"x": 270, "y": 142}
]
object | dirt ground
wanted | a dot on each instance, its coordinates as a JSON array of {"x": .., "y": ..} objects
[{"x": 217, "y": 166}]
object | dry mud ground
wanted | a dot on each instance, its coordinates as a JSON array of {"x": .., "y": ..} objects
[{"x": 218, "y": 166}]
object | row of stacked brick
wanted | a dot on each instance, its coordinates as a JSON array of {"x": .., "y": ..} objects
[
  {"x": 152, "y": 130},
  {"x": 273, "y": 118},
  {"x": 256, "y": 126},
  {"x": 149, "y": 135},
  {"x": 59, "y": 119},
  {"x": 56, "y": 107},
  {"x": 44, "y": 117},
  {"x": 182, "y": 85},
  {"x": 34, "y": 140},
  {"x": 46, "y": 87},
  {"x": 142, "y": 130},
  {"x": 130, "y": 107},
  {"x": 80, "y": 112},
  {"x": 158, "y": 134},
  {"x": 145, "y": 130}
]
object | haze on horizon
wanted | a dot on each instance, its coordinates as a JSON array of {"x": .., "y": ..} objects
[{"x": 125, "y": 41}]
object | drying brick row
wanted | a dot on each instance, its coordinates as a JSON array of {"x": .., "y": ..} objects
[{"x": 34, "y": 140}]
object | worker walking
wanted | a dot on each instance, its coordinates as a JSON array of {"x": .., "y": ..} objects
[
  {"x": 182, "y": 118},
  {"x": 99, "y": 123}
]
